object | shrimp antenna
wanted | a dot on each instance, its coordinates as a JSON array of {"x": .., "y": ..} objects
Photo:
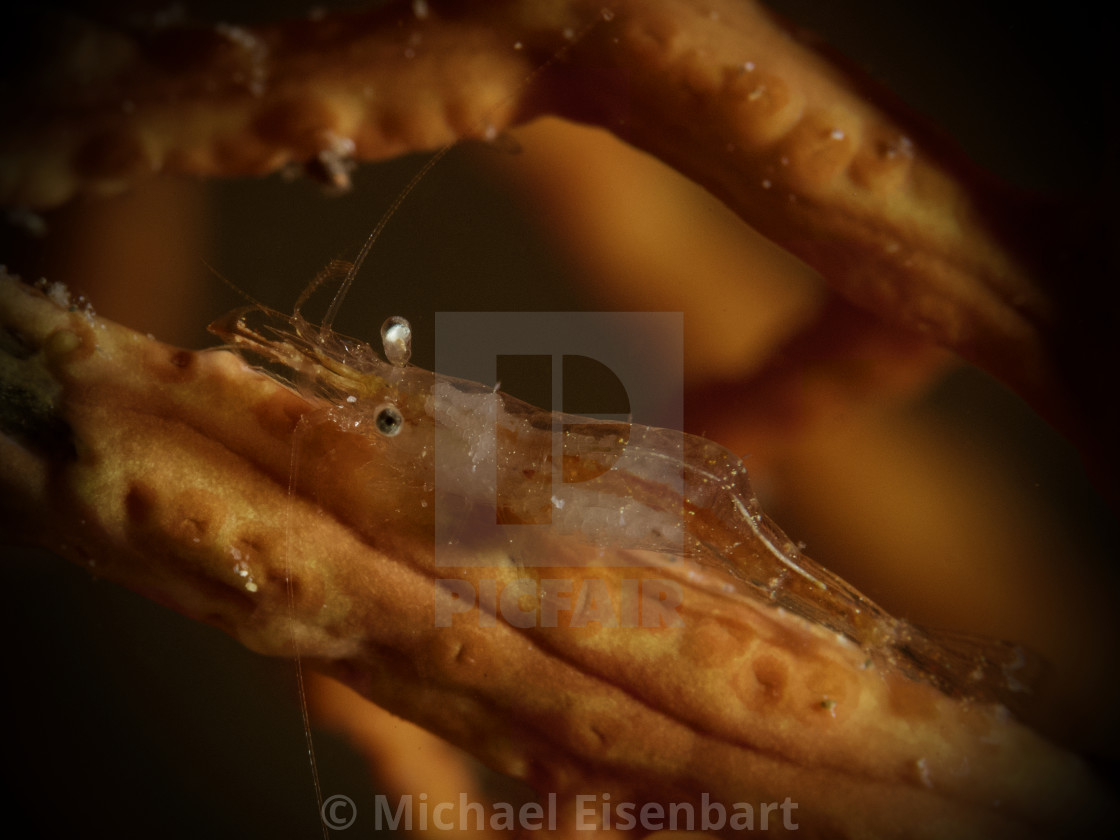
[
  {"x": 336, "y": 304},
  {"x": 233, "y": 287},
  {"x": 375, "y": 234}
]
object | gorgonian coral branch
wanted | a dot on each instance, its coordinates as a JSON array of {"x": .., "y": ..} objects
[{"x": 168, "y": 471}]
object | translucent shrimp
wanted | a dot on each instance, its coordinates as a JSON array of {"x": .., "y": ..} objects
[{"x": 466, "y": 463}]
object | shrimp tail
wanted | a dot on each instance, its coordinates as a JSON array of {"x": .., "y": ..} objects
[{"x": 974, "y": 667}]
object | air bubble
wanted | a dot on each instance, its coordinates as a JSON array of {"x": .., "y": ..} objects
[{"x": 396, "y": 339}]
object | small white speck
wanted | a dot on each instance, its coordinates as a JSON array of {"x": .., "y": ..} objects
[
  {"x": 58, "y": 294},
  {"x": 241, "y": 569},
  {"x": 923, "y": 772},
  {"x": 837, "y": 134}
]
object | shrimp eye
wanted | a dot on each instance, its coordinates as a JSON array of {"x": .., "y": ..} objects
[{"x": 389, "y": 420}]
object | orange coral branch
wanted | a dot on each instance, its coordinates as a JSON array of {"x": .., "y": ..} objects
[{"x": 168, "y": 470}]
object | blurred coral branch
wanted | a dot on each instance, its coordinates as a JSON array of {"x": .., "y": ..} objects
[{"x": 891, "y": 217}]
